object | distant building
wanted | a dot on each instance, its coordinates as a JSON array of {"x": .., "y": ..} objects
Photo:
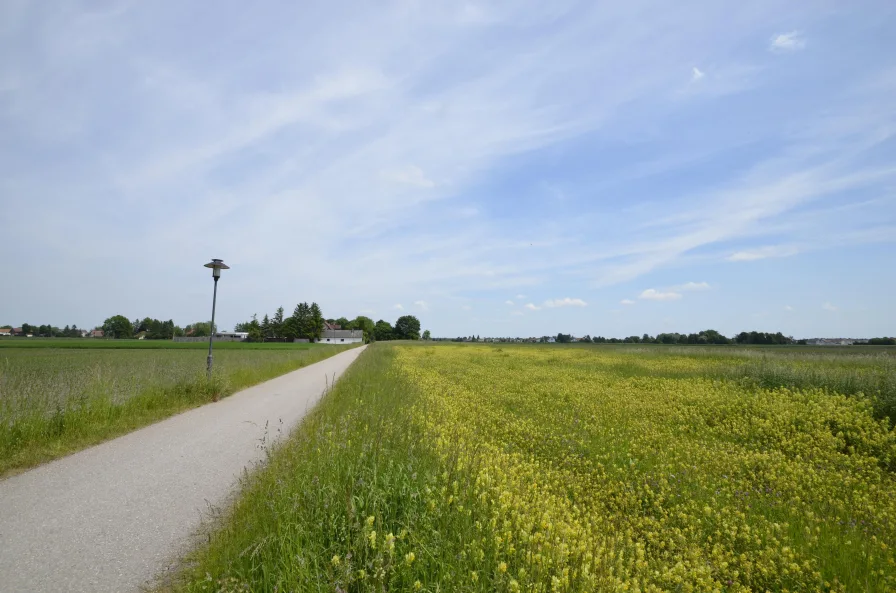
[
  {"x": 232, "y": 335},
  {"x": 97, "y": 333},
  {"x": 831, "y": 341},
  {"x": 6, "y": 331},
  {"x": 341, "y": 336}
]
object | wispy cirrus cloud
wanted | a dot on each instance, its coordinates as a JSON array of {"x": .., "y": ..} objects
[
  {"x": 651, "y": 294},
  {"x": 691, "y": 286},
  {"x": 532, "y": 306},
  {"x": 764, "y": 252},
  {"x": 565, "y": 302},
  {"x": 410, "y": 175},
  {"x": 791, "y": 41}
]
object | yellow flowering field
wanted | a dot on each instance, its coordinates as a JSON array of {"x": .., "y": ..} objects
[{"x": 551, "y": 468}]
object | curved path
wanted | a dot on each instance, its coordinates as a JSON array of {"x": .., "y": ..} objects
[{"x": 116, "y": 516}]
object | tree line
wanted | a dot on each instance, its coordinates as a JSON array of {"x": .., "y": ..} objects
[
  {"x": 48, "y": 331},
  {"x": 121, "y": 328},
  {"x": 307, "y": 322}
]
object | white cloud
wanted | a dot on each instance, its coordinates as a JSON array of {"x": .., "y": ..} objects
[
  {"x": 566, "y": 302},
  {"x": 763, "y": 253},
  {"x": 532, "y": 307},
  {"x": 651, "y": 294},
  {"x": 696, "y": 74},
  {"x": 691, "y": 286},
  {"x": 508, "y": 303},
  {"x": 627, "y": 302},
  {"x": 398, "y": 307},
  {"x": 787, "y": 42},
  {"x": 411, "y": 175},
  {"x": 829, "y": 307},
  {"x": 422, "y": 305}
]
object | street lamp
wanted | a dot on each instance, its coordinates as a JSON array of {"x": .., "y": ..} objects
[{"x": 216, "y": 265}]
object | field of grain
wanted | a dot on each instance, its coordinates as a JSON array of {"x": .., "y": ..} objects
[
  {"x": 551, "y": 468},
  {"x": 57, "y": 400}
]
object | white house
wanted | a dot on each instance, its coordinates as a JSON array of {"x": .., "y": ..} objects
[
  {"x": 5, "y": 331},
  {"x": 342, "y": 336},
  {"x": 232, "y": 335}
]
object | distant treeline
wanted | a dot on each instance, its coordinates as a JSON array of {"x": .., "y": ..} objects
[
  {"x": 878, "y": 342},
  {"x": 307, "y": 322},
  {"x": 708, "y": 336},
  {"x": 48, "y": 331}
]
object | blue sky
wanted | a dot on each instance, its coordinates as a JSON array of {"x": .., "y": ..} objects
[{"x": 495, "y": 168}]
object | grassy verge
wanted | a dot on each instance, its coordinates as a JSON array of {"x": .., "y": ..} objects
[
  {"x": 491, "y": 469},
  {"x": 53, "y": 404},
  {"x": 343, "y": 504},
  {"x": 104, "y": 344}
]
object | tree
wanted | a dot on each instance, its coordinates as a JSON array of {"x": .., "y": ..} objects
[
  {"x": 200, "y": 329},
  {"x": 300, "y": 324},
  {"x": 266, "y": 327},
  {"x": 427, "y": 335},
  {"x": 407, "y": 327},
  {"x": 366, "y": 325},
  {"x": 277, "y": 323},
  {"x": 342, "y": 322},
  {"x": 118, "y": 327},
  {"x": 316, "y": 322},
  {"x": 383, "y": 331}
]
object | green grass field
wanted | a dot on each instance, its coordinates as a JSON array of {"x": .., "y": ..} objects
[
  {"x": 55, "y": 400},
  {"x": 552, "y": 468},
  {"x": 101, "y": 344}
]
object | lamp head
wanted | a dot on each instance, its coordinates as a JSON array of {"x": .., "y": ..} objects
[{"x": 217, "y": 265}]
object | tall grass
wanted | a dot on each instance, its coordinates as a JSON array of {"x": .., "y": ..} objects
[
  {"x": 53, "y": 402},
  {"x": 353, "y": 470},
  {"x": 853, "y": 371}
]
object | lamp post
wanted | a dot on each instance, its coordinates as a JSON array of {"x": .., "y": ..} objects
[{"x": 216, "y": 265}]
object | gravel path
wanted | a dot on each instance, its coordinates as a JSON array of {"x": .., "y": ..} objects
[{"x": 116, "y": 516}]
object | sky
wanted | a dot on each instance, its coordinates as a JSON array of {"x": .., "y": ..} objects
[{"x": 511, "y": 168}]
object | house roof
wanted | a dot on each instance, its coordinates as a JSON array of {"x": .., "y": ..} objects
[
  {"x": 331, "y": 326},
  {"x": 342, "y": 333}
]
